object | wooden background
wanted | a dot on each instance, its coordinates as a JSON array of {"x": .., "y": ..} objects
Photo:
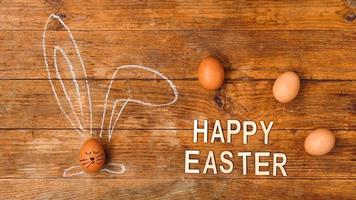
[{"x": 257, "y": 40}]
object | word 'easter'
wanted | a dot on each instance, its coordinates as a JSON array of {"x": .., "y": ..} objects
[{"x": 225, "y": 163}]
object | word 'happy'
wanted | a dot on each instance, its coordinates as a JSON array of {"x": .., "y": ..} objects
[{"x": 225, "y": 162}]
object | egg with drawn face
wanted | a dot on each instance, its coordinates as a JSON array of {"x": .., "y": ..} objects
[{"x": 92, "y": 156}]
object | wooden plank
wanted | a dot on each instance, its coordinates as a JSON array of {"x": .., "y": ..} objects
[
  {"x": 147, "y": 154},
  {"x": 257, "y": 40},
  {"x": 178, "y": 15},
  {"x": 177, "y": 189},
  {"x": 27, "y": 104},
  {"x": 246, "y": 54}
]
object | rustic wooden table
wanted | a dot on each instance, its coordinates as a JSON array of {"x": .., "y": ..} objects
[{"x": 257, "y": 40}]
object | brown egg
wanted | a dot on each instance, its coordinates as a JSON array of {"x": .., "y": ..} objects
[
  {"x": 211, "y": 73},
  {"x": 319, "y": 142},
  {"x": 92, "y": 156},
  {"x": 286, "y": 87}
]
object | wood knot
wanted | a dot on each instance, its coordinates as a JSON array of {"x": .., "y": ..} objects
[
  {"x": 219, "y": 98},
  {"x": 350, "y": 17},
  {"x": 55, "y": 24},
  {"x": 61, "y": 15}
]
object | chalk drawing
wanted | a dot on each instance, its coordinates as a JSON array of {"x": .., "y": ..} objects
[
  {"x": 109, "y": 168},
  {"x": 126, "y": 101},
  {"x": 51, "y": 17},
  {"x": 78, "y": 119}
]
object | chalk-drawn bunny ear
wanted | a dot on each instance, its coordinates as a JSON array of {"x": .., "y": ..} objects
[
  {"x": 65, "y": 67},
  {"x": 118, "y": 105}
]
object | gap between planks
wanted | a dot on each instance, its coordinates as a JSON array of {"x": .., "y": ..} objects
[
  {"x": 226, "y": 81},
  {"x": 202, "y": 178},
  {"x": 156, "y": 129}
]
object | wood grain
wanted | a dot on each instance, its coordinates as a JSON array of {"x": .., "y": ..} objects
[
  {"x": 317, "y": 55},
  {"x": 146, "y": 154},
  {"x": 256, "y": 40},
  {"x": 30, "y": 104},
  {"x": 178, "y": 15},
  {"x": 177, "y": 189}
]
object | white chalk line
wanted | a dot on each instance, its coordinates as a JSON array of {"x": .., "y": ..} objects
[
  {"x": 106, "y": 169},
  {"x": 75, "y": 82},
  {"x": 77, "y": 89},
  {"x": 76, "y": 85},
  {"x": 67, "y": 172},
  {"x": 109, "y": 168},
  {"x": 78, "y": 94},
  {"x": 111, "y": 127},
  {"x": 63, "y": 86}
]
